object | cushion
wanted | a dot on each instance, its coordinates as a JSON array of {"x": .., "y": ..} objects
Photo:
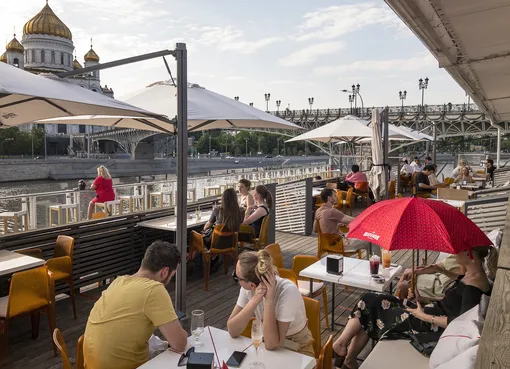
[
  {"x": 3, "y": 306},
  {"x": 402, "y": 353},
  {"x": 304, "y": 287},
  {"x": 457, "y": 342}
]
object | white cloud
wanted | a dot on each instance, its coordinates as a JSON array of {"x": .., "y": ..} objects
[
  {"x": 422, "y": 61},
  {"x": 335, "y": 21},
  {"x": 230, "y": 39},
  {"x": 310, "y": 54}
]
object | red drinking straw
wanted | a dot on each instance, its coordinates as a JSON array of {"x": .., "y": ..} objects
[{"x": 214, "y": 346}]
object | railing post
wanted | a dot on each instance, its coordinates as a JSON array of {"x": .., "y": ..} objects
[{"x": 32, "y": 206}]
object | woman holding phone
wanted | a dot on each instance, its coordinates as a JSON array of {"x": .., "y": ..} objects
[{"x": 275, "y": 301}]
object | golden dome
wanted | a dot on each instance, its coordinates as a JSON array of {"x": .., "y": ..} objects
[
  {"x": 3, "y": 58},
  {"x": 76, "y": 64},
  {"x": 15, "y": 46},
  {"x": 47, "y": 23},
  {"x": 91, "y": 56}
]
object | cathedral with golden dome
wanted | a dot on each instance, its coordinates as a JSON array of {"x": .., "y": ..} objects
[{"x": 47, "y": 47}]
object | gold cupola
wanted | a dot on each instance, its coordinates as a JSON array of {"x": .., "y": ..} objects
[
  {"x": 76, "y": 64},
  {"x": 15, "y": 46},
  {"x": 3, "y": 58},
  {"x": 91, "y": 56},
  {"x": 46, "y": 22}
]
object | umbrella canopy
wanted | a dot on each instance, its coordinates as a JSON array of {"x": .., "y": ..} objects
[
  {"x": 416, "y": 223},
  {"x": 26, "y": 97},
  {"x": 207, "y": 110},
  {"x": 376, "y": 182}
]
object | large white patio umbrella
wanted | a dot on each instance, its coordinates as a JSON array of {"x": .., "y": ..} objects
[
  {"x": 375, "y": 181},
  {"x": 27, "y": 97}
]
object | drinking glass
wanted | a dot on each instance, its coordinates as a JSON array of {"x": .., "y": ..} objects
[
  {"x": 197, "y": 326},
  {"x": 256, "y": 336}
]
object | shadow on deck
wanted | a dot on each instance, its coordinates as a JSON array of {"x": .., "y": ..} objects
[{"x": 218, "y": 302}]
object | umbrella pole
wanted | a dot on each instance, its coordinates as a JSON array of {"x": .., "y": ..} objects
[{"x": 410, "y": 294}]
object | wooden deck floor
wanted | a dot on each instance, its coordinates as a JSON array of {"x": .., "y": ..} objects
[{"x": 217, "y": 303}]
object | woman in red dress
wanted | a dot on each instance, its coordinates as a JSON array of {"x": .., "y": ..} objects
[{"x": 104, "y": 188}]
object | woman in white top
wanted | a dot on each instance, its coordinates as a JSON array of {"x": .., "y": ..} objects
[
  {"x": 275, "y": 301},
  {"x": 246, "y": 199}
]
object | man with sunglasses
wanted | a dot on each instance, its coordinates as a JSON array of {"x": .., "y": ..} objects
[{"x": 124, "y": 318}]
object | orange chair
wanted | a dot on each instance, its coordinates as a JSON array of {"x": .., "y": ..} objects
[
  {"x": 99, "y": 215},
  {"x": 332, "y": 244},
  {"x": 62, "y": 348},
  {"x": 340, "y": 199},
  {"x": 247, "y": 234},
  {"x": 61, "y": 265},
  {"x": 361, "y": 190},
  {"x": 80, "y": 361},
  {"x": 313, "y": 313},
  {"x": 247, "y": 331},
  {"x": 197, "y": 245},
  {"x": 30, "y": 292},
  {"x": 392, "y": 189},
  {"x": 325, "y": 360},
  {"x": 348, "y": 200},
  {"x": 288, "y": 274},
  {"x": 276, "y": 254},
  {"x": 301, "y": 262}
]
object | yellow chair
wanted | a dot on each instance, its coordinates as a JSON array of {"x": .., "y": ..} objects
[
  {"x": 61, "y": 265},
  {"x": 247, "y": 331},
  {"x": 361, "y": 190},
  {"x": 35, "y": 253},
  {"x": 332, "y": 244},
  {"x": 348, "y": 200},
  {"x": 325, "y": 360},
  {"x": 80, "y": 361},
  {"x": 288, "y": 274},
  {"x": 30, "y": 292},
  {"x": 247, "y": 234},
  {"x": 449, "y": 180},
  {"x": 313, "y": 313},
  {"x": 392, "y": 188},
  {"x": 301, "y": 262},
  {"x": 62, "y": 348},
  {"x": 340, "y": 199},
  {"x": 99, "y": 215},
  {"x": 276, "y": 254}
]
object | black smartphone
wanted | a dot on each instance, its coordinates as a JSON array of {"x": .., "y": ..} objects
[
  {"x": 410, "y": 304},
  {"x": 236, "y": 359}
]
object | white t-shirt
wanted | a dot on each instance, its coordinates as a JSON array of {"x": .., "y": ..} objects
[{"x": 290, "y": 306}]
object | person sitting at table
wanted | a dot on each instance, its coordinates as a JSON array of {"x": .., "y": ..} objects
[
  {"x": 433, "y": 178},
  {"x": 255, "y": 214},
  {"x": 490, "y": 168},
  {"x": 275, "y": 301},
  {"x": 246, "y": 198},
  {"x": 378, "y": 316},
  {"x": 330, "y": 219},
  {"x": 457, "y": 171},
  {"x": 416, "y": 165},
  {"x": 406, "y": 168},
  {"x": 130, "y": 309},
  {"x": 464, "y": 176},
  {"x": 422, "y": 183},
  {"x": 352, "y": 178}
]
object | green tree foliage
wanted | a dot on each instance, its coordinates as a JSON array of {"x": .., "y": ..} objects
[{"x": 14, "y": 142}]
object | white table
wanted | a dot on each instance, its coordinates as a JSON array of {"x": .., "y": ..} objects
[
  {"x": 226, "y": 345},
  {"x": 356, "y": 274},
  {"x": 170, "y": 223},
  {"x": 11, "y": 262}
]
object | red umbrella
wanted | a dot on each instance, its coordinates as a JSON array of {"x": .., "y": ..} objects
[{"x": 419, "y": 224}]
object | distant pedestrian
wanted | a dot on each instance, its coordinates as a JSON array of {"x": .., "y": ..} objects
[{"x": 103, "y": 185}]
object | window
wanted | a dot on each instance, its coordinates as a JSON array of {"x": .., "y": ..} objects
[
  {"x": 43, "y": 59},
  {"x": 70, "y": 59},
  {"x": 33, "y": 56},
  {"x": 62, "y": 58},
  {"x": 16, "y": 62},
  {"x": 53, "y": 57},
  {"x": 94, "y": 89},
  {"x": 62, "y": 128},
  {"x": 82, "y": 128}
]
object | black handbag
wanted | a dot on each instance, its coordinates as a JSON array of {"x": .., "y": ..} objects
[{"x": 425, "y": 343}]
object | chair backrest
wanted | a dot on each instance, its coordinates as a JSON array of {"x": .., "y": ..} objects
[
  {"x": 196, "y": 242},
  {"x": 264, "y": 227},
  {"x": 80, "y": 362},
  {"x": 247, "y": 330},
  {"x": 223, "y": 241},
  {"x": 64, "y": 247},
  {"x": 327, "y": 242},
  {"x": 340, "y": 198},
  {"x": 276, "y": 254},
  {"x": 62, "y": 347},
  {"x": 392, "y": 189},
  {"x": 349, "y": 198},
  {"x": 29, "y": 290},
  {"x": 288, "y": 274},
  {"x": 325, "y": 360},
  {"x": 301, "y": 262},
  {"x": 99, "y": 215},
  {"x": 247, "y": 233},
  {"x": 313, "y": 313},
  {"x": 361, "y": 186},
  {"x": 452, "y": 194},
  {"x": 448, "y": 180}
]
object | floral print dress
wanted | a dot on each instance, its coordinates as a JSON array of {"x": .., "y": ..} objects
[{"x": 385, "y": 316}]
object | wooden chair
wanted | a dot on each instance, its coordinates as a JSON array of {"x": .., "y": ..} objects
[
  {"x": 332, "y": 244},
  {"x": 448, "y": 180},
  {"x": 197, "y": 245},
  {"x": 276, "y": 254},
  {"x": 80, "y": 361},
  {"x": 99, "y": 215},
  {"x": 348, "y": 200},
  {"x": 61, "y": 265},
  {"x": 423, "y": 195},
  {"x": 247, "y": 234},
  {"x": 361, "y": 190},
  {"x": 62, "y": 348},
  {"x": 325, "y": 360},
  {"x": 392, "y": 188},
  {"x": 340, "y": 199},
  {"x": 288, "y": 274},
  {"x": 30, "y": 292},
  {"x": 301, "y": 262},
  {"x": 247, "y": 331},
  {"x": 313, "y": 313}
]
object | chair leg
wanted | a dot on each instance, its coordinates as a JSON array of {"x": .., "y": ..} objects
[
  {"x": 207, "y": 271},
  {"x": 72, "y": 295},
  {"x": 359, "y": 254},
  {"x": 225, "y": 265},
  {"x": 35, "y": 318},
  {"x": 325, "y": 305},
  {"x": 4, "y": 337}
]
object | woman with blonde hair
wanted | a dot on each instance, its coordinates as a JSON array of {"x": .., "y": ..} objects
[
  {"x": 103, "y": 185},
  {"x": 464, "y": 176},
  {"x": 458, "y": 170},
  {"x": 274, "y": 301}
]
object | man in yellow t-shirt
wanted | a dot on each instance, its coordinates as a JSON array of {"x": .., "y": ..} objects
[{"x": 124, "y": 318}]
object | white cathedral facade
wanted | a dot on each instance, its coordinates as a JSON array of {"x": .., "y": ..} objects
[{"x": 47, "y": 47}]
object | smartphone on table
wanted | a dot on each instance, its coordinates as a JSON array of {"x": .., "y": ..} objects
[{"x": 236, "y": 359}]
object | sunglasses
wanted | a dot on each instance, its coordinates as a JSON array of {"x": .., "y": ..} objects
[
  {"x": 184, "y": 357},
  {"x": 237, "y": 279}
]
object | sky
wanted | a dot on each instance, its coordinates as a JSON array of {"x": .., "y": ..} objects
[{"x": 292, "y": 49}]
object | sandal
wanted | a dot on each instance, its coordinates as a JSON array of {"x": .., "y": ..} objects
[{"x": 339, "y": 360}]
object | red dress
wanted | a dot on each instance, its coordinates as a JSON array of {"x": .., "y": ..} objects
[{"x": 104, "y": 190}]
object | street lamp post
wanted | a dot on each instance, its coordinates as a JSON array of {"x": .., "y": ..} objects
[
  {"x": 251, "y": 104},
  {"x": 236, "y": 98},
  {"x": 267, "y": 97},
  {"x": 310, "y": 102},
  {"x": 402, "y": 96},
  {"x": 351, "y": 100},
  {"x": 422, "y": 86},
  {"x": 246, "y": 142},
  {"x": 355, "y": 94},
  {"x": 278, "y": 103}
]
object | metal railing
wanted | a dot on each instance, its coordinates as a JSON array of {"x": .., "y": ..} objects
[
  {"x": 488, "y": 213},
  {"x": 294, "y": 207}
]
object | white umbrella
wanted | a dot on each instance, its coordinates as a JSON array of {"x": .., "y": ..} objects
[
  {"x": 375, "y": 180},
  {"x": 207, "y": 110},
  {"x": 400, "y": 133},
  {"x": 26, "y": 97}
]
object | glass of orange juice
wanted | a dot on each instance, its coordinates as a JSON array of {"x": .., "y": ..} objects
[{"x": 386, "y": 259}]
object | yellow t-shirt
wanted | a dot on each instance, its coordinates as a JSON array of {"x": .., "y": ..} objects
[{"x": 122, "y": 321}]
